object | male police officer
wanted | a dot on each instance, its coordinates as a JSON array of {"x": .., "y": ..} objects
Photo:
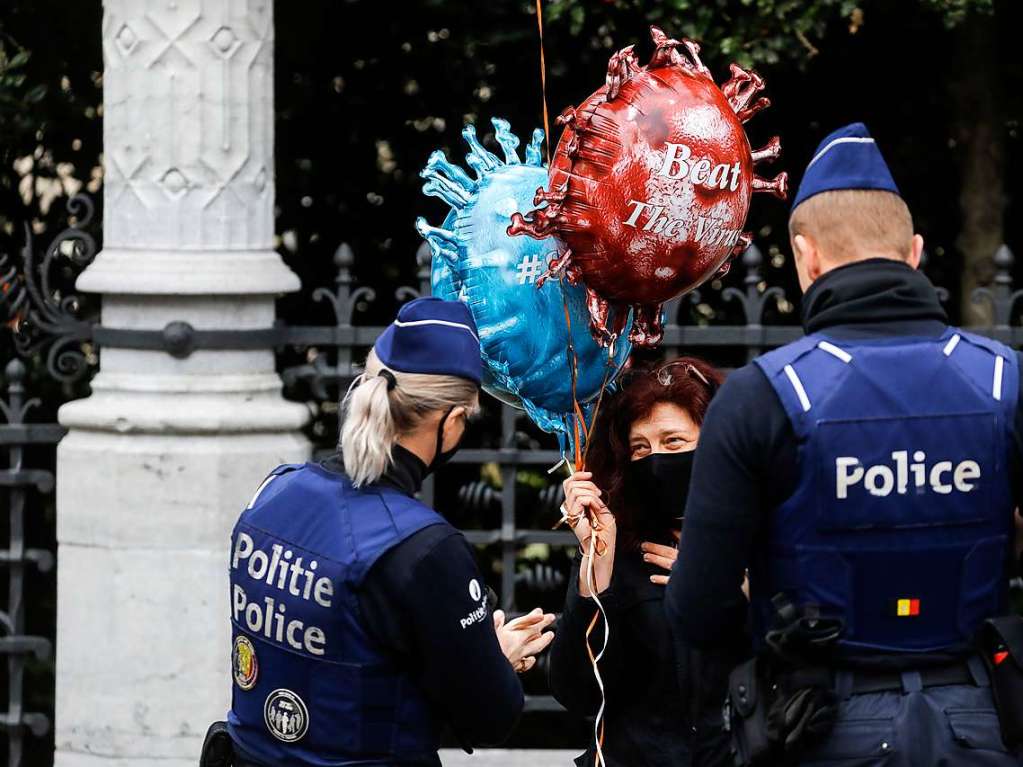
[
  {"x": 360, "y": 623},
  {"x": 868, "y": 475}
]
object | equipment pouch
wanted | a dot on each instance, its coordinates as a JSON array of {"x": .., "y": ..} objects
[
  {"x": 1001, "y": 645},
  {"x": 217, "y": 748},
  {"x": 746, "y": 715}
]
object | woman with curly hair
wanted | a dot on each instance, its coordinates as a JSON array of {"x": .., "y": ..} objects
[{"x": 637, "y": 477}]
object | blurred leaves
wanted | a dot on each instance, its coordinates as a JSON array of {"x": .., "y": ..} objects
[
  {"x": 18, "y": 98},
  {"x": 752, "y": 32}
]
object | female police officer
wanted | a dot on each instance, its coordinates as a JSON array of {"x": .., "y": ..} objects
[{"x": 360, "y": 622}]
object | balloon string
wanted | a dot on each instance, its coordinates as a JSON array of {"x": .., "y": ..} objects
[
  {"x": 543, "y": 83},
  {"x": 594, "y": 549},
  {"x": 598, "y": 722},
  {"x": 600, "y": 397},
  {"x": 579, "y": 422}
]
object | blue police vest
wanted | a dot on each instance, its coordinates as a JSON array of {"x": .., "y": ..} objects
[
  {"x": 310, "y": 687},
  {"x": 902, "y": 516}
]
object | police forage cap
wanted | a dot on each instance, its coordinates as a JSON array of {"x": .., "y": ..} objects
[
  {"x": 434, "y": 337},
  {"x": 847, "y": 159}
]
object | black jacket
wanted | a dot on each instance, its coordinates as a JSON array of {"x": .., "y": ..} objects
[
  {"x": 645, "y": 721},
  {"x": 746, "y": 462}
]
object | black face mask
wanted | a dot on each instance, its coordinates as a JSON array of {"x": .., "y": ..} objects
[
  {"x": 657, "y": 486},
  {"x": 441, "y": 457}
]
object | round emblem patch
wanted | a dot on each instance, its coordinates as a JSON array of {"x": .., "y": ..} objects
[
  {"x": 286, "y": 715},
  {"x": 475, "y": 591},
  {"x": 244, "y": 663}
]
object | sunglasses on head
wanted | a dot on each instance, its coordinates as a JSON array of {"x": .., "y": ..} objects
[{"x": 665, "y": 374}]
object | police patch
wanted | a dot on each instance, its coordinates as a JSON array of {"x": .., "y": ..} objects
[
  {"x": 245, "y": 663},
  {"x": 285, "y": 715}
]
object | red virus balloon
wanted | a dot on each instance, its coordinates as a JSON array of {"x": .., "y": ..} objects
[{"x": 651, "y": 184}]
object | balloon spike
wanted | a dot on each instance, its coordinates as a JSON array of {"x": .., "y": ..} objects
[
  {"x": 744, "y": 241},
  {"x": 665, "y": 50},
  {"x": 620, "y": 67},
  {"x": 567, "y": 117},
  {"x": 551, "y": 198},
  {"x": 741, "y": 90},
  {"x": 666, "y": 53},
  {"x": 769, "y": 152},
  {"x": 438, "y": 166},
  {"x": 534, "y": 150},
  {"x": 572, "y": 145},
  {"x": 479, "y": 158},
  {"x": 600, "y": 314},
  {"x": 778, "y": 186},
  {"x": 540, "y": 224},
  {"x": 693, "y": 49},
  {"x": 759, "y": 105},
  {"x": 647, "y": 325},
  {"x": 439, "y": 185},
  {"x": 509, "y": 141},
  {"x": 560, "y": 266},
  {"x": 442, "y": 242}
]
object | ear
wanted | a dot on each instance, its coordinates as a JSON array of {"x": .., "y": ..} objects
[
  {"x": 454, "y": 427},
  {"x": 808, "y": 260},
  {"x": 456, "y": 422},
  {"x": 916, "y": 251}
]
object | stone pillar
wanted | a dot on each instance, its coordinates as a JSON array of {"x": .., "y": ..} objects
[{"x": 161, "y": 458}]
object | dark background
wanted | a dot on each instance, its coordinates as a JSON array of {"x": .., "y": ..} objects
[{"x": 366, "y": 90}]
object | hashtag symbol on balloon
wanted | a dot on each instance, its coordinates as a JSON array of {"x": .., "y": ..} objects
[{"x": 530, "y": 268}]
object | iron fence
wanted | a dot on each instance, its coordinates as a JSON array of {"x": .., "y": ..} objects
[
  {"x": 21, "y": 484},
  {"x": 497, "y": 488}
]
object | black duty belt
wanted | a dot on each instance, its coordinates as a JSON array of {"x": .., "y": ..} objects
[{"x": 884, "y": 681}]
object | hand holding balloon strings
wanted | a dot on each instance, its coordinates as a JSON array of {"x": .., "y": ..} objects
[{"x": 587, "y": 509}]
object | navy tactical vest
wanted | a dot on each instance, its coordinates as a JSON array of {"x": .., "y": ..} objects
[
  {"x": 310, "y": 687},
  {"x": 902, "y": 516}
]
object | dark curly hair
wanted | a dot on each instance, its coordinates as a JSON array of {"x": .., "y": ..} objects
[{"x": 688, "y": 382}]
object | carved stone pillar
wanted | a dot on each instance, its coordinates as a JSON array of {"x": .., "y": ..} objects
[{"x": 161, "y": 458}]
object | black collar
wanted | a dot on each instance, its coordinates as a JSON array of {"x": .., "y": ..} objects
[
  {"x": 405, "y": 474},
  {"x": 882, "y": 293}
]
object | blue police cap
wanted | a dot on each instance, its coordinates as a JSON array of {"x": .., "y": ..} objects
[
  {"x": 435, "y": 337},
  {"x": 847, "y": 159}
]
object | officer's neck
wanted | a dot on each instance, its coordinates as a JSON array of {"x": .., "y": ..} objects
[
  {"x": 420, "y": 444},
  {"x": 406, "y": 471}
]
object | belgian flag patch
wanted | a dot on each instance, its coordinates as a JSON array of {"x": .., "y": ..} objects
[{"x": 905, "y": 608}]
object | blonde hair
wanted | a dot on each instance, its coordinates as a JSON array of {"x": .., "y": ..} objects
[
  {"x": 373, "y": 418},
  {"x": 850, "y": 224}
]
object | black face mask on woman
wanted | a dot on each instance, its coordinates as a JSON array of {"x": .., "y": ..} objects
[{"x": 658, "y": 486}]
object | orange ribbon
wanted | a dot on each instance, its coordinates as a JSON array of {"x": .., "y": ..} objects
[{"x": 543, "y": 84}]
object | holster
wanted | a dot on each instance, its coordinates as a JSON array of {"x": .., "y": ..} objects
[
  {"x": 217, "y": 748},
  {"x": 1001, "y": 646},
  {"x": 745, "y": 715},
  {"x": 783, "y": 700}
]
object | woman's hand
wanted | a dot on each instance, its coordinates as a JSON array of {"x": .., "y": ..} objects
[
  {"x": 523, "y": 638},
  {"x": 661, "y": 556},
  {"x": 582, "y": 505},
  {"x": 665, "y": 556}
]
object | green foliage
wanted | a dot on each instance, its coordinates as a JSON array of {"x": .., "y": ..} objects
[
  {"x": 750, "y": 32},
  {"x": 18, "y": 98},
  {"x": 955, "y": 11}
]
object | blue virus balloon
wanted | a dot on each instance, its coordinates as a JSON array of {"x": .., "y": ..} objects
[{"x": 524, "y": 333}]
